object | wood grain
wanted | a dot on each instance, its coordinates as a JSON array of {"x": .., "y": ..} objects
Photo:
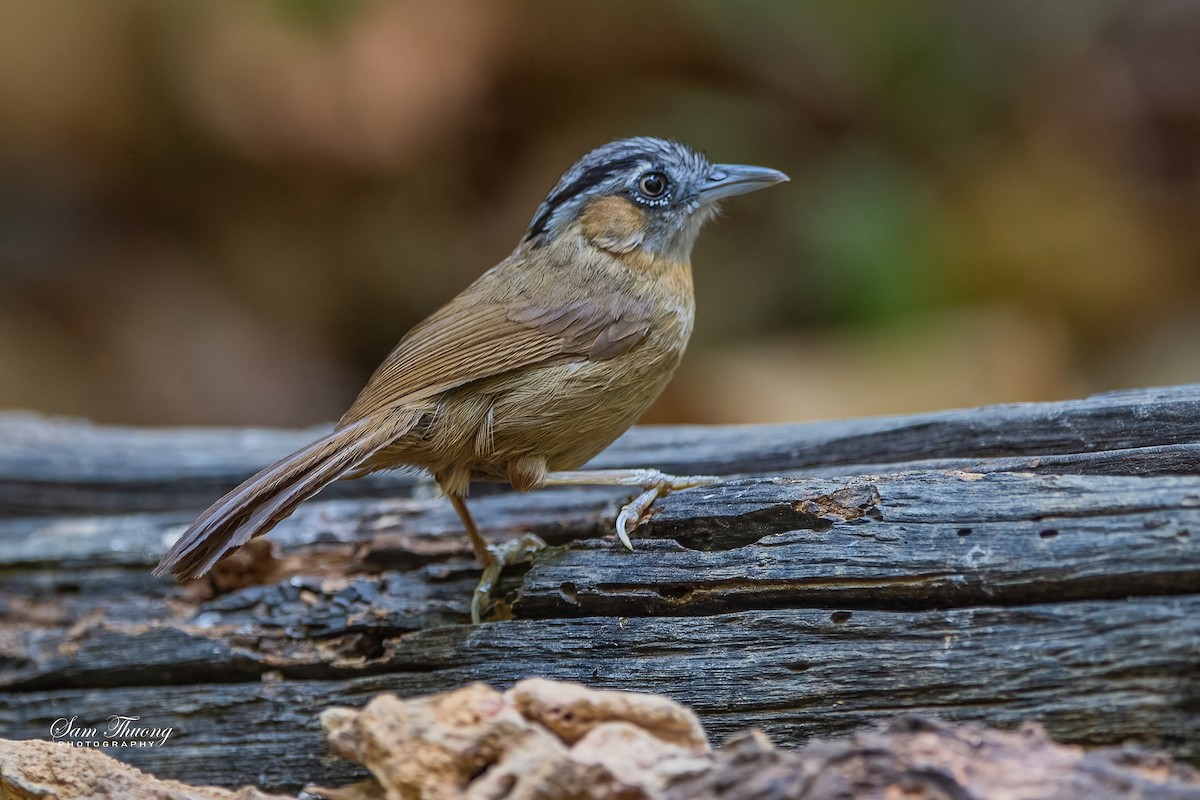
[{"x": 1034, "y": 562}]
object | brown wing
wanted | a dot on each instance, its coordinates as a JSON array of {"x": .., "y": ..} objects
[{"x": 477, "y": 336}]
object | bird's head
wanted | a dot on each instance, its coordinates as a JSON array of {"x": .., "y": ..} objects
[{"x": 642, "y": 193}]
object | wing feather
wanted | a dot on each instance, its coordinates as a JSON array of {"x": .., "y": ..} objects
[{"x": 480, "y": 335}]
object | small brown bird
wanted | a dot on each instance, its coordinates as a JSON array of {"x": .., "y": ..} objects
[{"x": 534, "y": 368}]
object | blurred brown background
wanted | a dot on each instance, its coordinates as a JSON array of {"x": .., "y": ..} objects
[{"x": 228, "y": 212}]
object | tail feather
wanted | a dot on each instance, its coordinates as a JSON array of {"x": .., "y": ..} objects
[{"x": 257, "y": 505}]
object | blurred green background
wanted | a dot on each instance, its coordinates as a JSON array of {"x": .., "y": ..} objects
[{"x": 228, "y": 212}]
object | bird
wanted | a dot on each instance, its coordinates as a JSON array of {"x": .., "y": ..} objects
[{"x": 533, "y": 369}]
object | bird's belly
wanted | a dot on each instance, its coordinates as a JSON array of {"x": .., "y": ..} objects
[
  {"x": 562, "y": 414},
  {"x": 568, "y": 413}
]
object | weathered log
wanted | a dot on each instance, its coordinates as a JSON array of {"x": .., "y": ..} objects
[
  {"x": 549, "y": 739},
  {"x": 58, "y": 465},
  {"x": 1091, "y": 672},
  {"x": 1000, "y": 565},
  {"x": 914, "y": 540},
  {"x": 922, "y": 758}
]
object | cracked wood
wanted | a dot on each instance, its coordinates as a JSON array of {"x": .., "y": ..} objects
[{"x": 1010, "y": 563}]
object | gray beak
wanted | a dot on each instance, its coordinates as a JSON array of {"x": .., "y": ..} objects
[{"x": 726, "y": 180}]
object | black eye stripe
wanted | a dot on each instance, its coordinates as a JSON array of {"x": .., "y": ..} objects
[{"x": 591, "y": 177}]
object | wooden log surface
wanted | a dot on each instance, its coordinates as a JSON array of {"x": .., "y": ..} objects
[
  {"x": 1033, "y": 562},
  {"x": 57, "y": 465}
]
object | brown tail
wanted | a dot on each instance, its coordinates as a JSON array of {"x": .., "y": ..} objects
[{"x": 261, "y": 502}]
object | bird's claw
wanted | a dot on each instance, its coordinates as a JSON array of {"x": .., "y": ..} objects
[
  {"x": 657, "y": 484},
  {"x": 504, "y": 555}
]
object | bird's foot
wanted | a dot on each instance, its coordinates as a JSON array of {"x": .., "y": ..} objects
[
  {"x": 654, "y": 485},
  {"x": 505, "y": 554}
]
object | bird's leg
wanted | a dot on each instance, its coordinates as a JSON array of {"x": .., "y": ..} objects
[
  {"x": 492, "y": 557},
  {"x": 654, "y": 485},
  {"x": 482, "y": 550}
]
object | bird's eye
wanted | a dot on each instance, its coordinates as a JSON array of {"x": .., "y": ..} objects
[{"x": 653, "y": 185}]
